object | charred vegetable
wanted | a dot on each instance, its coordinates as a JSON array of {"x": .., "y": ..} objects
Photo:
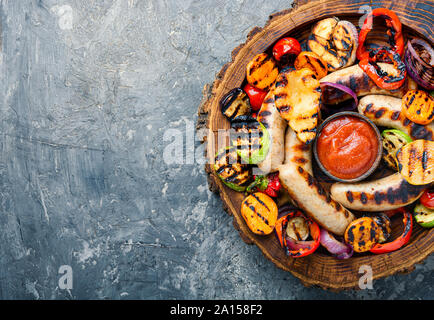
[
  {"x": 335, "y": 42},
  {"x": 260, "y": 213},
  {"x": 297, "y": 229},
  {"x": 262, "y": 71},
  {"x": 236, "y": 103},
  {"x": 293, "y": 230},
  {"x": 256, "y": 97},
  {"x": 416, "y": 162},
  {"x": 419, "y": 59},
  {"x": 362, "y": 234},
  {"x": 402, "y": 239},
  {"x": 424, "y": 216},
  {"x": 337, "y": 248},
  {"x": 396, "y": 39},
  {"x": 231, "y": 170},
  {"x": 388, "y": 81},
  {"x": 298, "y": 95},
  {"x": 313, "y": 62},
  {"x": 418, "y": 106},
  {"x": 385, "y": 226},
  {"x": 393, "y": 141},
  {"x": 251, "y": 139}
]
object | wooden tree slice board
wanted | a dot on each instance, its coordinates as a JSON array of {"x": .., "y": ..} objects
[{"x": 319, "y": 269}]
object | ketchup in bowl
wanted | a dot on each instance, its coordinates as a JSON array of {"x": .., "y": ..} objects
[{"x": 348, "y": 147}]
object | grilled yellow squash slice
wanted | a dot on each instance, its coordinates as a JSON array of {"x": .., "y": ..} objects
[
  {"x": 416, "y": 162},
  {"x": 298, "y": 95},
  {"x": 418, "y": 106},
  {"x": 262, "y": 71}
]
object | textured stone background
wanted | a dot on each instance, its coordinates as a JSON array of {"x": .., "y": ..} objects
[{"x": 88, "y": 89}]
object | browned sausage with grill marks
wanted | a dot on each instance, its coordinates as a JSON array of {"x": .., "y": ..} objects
[
  {"x": 358, "y": 81},
  {"x": 270, "y": 117},
  {"x": 297, "y": 178},
  {"x": 386, "y": 111},
  {"x": 383, "y": 194}
]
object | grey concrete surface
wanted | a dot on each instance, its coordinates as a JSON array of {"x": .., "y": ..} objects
[{"x": 89, "y": 88}]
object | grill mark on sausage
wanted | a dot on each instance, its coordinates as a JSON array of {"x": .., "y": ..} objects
[
  {"x": 353, "y": 82},
  {"x": 395, "y": 115},
  {"x": 363, "y": 198},
  {"x": 350, "y": 196},
  {"x": 420, "y": 132},
  {"x": 300, "y": 160},
  {"x": 369, "y": 107},
  {"x": 380, "y": 113},
  {"x": 265, "y": 114}
]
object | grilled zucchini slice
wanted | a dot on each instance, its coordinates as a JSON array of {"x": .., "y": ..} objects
[
  {"x": 393, "y": 141},
  {"x": 262, "y": 71},
  {"x": 424, "y": 216},
  {"x": 251, "y": 139},
  {"x": 236, "y": 103},
  {"x": 230, "y": 169},
  {"x": 298, "y": 96},
  {"x": 416, "y": 162}
]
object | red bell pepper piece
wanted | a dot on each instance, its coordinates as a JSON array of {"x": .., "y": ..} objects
[
  {"x": 309, "y": 246},
  {"x": 256, "y": 97},
  {"x": 270, "y": 185},
  {"x": 402, "y": 239},
  {"x": 427, "y": 199},
  {"x": 396, "y": 38},
  {"x": 381, "y": 78}
]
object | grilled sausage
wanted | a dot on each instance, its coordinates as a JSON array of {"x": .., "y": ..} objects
[
  {"x": 270, "y": 117},
  {"x": 383, "y": 194},
  {"x": 386, "y": 111},
  {"x": 358, "y": 81},
  {"x": 297, "y": 178}
]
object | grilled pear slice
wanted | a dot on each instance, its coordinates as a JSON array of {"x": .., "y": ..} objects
[
  {"x": 298, "y": 95},
  {"x": 335, "y": 41},
  {"x": 325, "y": 28},
  {"x": 416, "y": 162}
]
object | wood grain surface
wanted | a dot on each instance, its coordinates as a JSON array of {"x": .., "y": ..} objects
[{"x": 318, "y": 269}]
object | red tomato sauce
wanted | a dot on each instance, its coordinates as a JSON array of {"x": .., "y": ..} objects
[{"x": 347, "y": 147}]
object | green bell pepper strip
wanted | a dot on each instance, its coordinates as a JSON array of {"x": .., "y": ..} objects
[{"x": 405, "y": 136}]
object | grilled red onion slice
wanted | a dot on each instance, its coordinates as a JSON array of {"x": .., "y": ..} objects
[
  {"x": 344, "y": 106},
  {"x": 420, "y": 70},
  {"x": 294, "y": 245},
  {"x": 338, "y": 249}
]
